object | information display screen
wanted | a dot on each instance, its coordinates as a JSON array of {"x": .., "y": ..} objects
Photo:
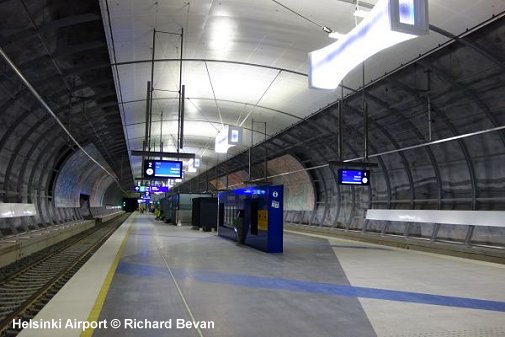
[
  {"x": 163, "y": 189},
  {"x": 353, "y": 177},
  {"x": 162, "y": 169},
  {"x": 141, "y": 188}
]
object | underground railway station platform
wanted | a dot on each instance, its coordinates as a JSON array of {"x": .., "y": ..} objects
[
  {"x": 252, "y": 168},
  {"x": 153, "y": 279}
]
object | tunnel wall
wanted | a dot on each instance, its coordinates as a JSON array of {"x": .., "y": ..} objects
[
  {"x": 298, "y": 188},
  {"x": 62, "y": 52}
]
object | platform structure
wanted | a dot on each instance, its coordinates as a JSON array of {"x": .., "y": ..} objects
[
  {"x": 150, "y": 273},
  {"x": 15, "y": 247}
]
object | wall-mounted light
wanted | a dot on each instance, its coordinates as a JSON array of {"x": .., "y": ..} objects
[{"x": 387, "y": 24}]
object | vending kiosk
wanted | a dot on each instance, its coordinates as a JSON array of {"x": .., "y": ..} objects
[{"x": 253, "y": 216}]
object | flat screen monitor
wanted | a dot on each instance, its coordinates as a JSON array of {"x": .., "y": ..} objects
[
  {"x": 163, "y": 189},
  {"x": 353, "y": 177},
  {"x": 163, "y": 169}
]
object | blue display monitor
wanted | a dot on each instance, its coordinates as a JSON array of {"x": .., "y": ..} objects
[
  {"x": 141, "y": 189},
  {"x": 163, "y": 189},
  {"x": 353, "y": 177},
  {"x": 163, "y": 169}
]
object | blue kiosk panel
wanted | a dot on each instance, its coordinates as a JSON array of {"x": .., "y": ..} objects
[{"x": 253, "y": 216}]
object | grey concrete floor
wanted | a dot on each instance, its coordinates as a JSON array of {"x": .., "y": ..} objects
[
  {"x": 169, "y": 272},
  {"x": 318, "y": 287}
]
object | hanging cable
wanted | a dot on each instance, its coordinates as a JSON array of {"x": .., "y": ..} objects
[
  {"x": 161, "y": 121},
  {"x": 166, "y": 90},
  {"x": 118, "y": 82},
  {"x": 214, "y": 94},
  {"x": 241, "y": 113},
  {"x": 51, "y": 112},
  {"x": 324, "y": 28},
  {"x": 201, "y": 112},
  {"x": 259, "y": 100}
]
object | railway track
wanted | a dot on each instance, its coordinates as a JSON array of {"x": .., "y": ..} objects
[{"x": 25, "y": 290}]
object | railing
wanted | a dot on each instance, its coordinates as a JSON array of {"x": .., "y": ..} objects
[{"x": 473, "y": 229}]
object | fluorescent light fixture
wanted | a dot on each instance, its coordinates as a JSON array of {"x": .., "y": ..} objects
[
  {"x": 387, "y": 24},
  {"x": 336, "y": 36},
  {"x": 361, "y": 13},
  {"x": 222, "y": 31}
]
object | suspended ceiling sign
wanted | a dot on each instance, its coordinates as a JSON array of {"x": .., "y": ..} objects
[
  {"x": 170, "y": 169},
  {"x": 390, "y": 22},
  {"x": 228, "y": 137}
]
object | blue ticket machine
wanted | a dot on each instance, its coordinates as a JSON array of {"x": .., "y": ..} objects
[{"x": 253, "y": 216}]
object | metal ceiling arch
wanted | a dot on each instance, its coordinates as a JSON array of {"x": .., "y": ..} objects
[
  {"x": 436, "y": 167},
  {"x": 78, "y": 114},
  {"x": 36, "y": 124},
  {"x": 184, "y": 60},
  {"x": 219, "y": 101},
  {"x": 23, "y": 196},
  {"x": 323, "y": 184},
  {"x": 50, "y": 26},
  {"x": 468, "y": 92}
]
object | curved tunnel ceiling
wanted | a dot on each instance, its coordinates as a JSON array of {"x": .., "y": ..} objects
[
  {"x": 61, "y": 50},
  {"x": 235, "y": 52}
]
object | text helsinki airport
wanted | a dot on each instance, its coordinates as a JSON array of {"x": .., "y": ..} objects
[{"x": 126, "y": 323}]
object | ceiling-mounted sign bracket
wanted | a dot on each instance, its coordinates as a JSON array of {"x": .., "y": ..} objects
[
  {"x": 180, "y": 155},
  {"x": 352, "y": 164}
]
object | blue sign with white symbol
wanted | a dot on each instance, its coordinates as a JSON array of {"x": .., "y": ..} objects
[{"x": 254, "y": 214}]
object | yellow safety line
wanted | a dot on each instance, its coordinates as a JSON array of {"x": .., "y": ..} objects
[{"x": 100, "y": 299}]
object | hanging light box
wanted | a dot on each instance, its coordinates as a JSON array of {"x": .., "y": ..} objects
[
  {"x": 229, "y": 136},
  {"x": 389, "y": 22}
]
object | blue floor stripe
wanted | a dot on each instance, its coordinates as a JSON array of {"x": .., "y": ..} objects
[
  {"x": 144, "y": 270},
  {"x": 340, "y": 290}
]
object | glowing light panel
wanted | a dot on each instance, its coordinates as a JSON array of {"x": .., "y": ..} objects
[
  {"x": 407, "y": 12},
  {"x": 229, "y": 136},
  {"x": 390, "y": 22}
]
